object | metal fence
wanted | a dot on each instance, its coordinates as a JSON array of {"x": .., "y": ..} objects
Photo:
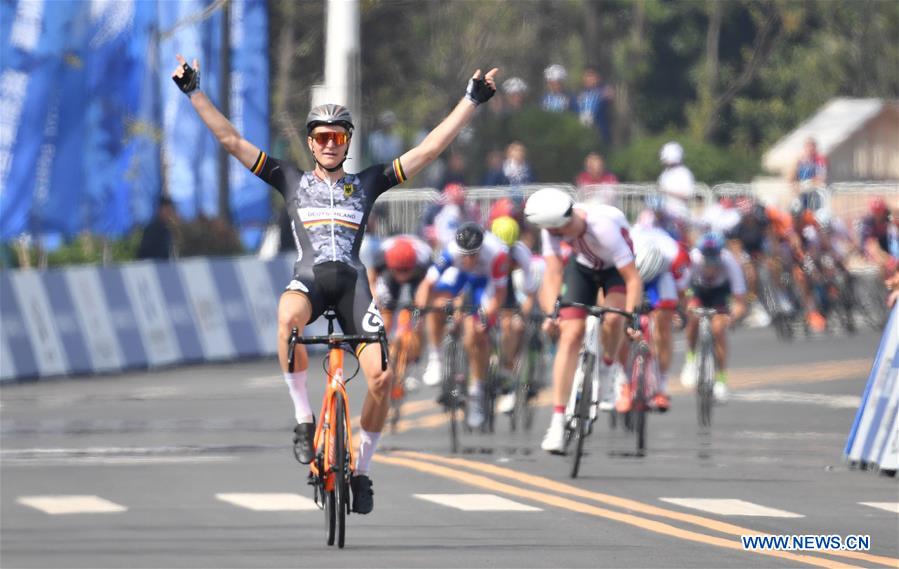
[{"x": 403, "y": 210}]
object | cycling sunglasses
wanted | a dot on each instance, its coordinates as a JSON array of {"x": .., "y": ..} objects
[{"x": 338, "y": 138}]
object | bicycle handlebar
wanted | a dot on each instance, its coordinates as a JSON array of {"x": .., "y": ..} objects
[
  {"x": 337, "y": 339},
  {"x": 598, "y": 311}
]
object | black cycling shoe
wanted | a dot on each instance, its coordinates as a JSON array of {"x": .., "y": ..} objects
[
  {"x": 303, "y": 437},
  {"x": 363, "y": 495}
]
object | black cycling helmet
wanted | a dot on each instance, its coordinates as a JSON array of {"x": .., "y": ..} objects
[
  {"x": 469, "y": 237},
  {"x": 329, "y": 114}
]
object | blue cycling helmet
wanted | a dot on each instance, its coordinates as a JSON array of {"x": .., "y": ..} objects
[{"x": 711, "y": 244}]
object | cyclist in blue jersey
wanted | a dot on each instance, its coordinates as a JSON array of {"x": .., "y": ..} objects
[{"x": 328, "y": 209}]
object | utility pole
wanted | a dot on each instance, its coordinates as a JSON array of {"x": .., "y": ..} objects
[{"x": 342, "y": 81}]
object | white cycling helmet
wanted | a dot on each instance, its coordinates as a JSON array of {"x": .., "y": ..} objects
[
  {"x": 555, "y": 72},
  {"x": 650, "y": 261},
  {"x": 671, "y": 153},
  {"x": 549, "y": 208}
]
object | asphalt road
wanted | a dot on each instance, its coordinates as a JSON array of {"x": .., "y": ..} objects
[{"x": 192, "y": 467}]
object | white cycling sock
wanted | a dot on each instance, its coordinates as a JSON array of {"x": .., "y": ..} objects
[
  {"x": 296, "y": 383},
  {"x": 663, "y": 382},
  {"x": 368, "y": 442},
  {"x": 474, "y": 388}
]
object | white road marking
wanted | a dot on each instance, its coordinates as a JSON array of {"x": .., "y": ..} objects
[
  {"x": 730, "y": 507},
  {"x": 74, "y": 504},
  {"x": 888, "y": 506},
  {"x": 777, "y": 396},
  {"x": 269, "y": 502},
  {"x": 159, "y": 392},
  {"x": 477, "y": 502},
  {"x": 265, "y": 382}
]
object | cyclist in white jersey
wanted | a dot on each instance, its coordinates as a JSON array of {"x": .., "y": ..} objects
[
  {"x": 476, "y": 262},
  {"x": 328, "y": 208},
  {"x": 715, "y": 276},
  {"x": 603, "y": 258}
]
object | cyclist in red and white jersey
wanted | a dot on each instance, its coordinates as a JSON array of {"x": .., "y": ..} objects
[
  {"x": 603, "y": 258},
  {"x": 328, "y": 208}
]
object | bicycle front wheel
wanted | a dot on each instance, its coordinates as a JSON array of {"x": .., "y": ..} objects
[
  {"x": 451, "y": 395},
  {"x": 328, "y": 501},
  {"x": 638, "y": 381},
  {"x": 341, "y": 470},
  {"x": 581, "y": 416},
  {"x": 706, "y": 383}
]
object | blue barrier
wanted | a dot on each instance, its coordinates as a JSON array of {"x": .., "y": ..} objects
[
  {"x": 874, "y": 437},
  {"x": 147, "y": 314}
]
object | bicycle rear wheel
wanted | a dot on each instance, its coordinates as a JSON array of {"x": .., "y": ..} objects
[
  {"x": 341, "y": 470},
  {"x": 582, "y": 415}
]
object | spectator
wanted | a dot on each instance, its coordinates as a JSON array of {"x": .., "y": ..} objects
[
  {"x": 454, "y": 212},
  {"x": 594, "y": 172},
  {"x": 556, "y": 99},
  {"x": 515, "y": 90},
  {"x": 157, "y": 242},
  {"x": 384, "y": 144},
  {"x": 456, "y": 171},
  {"x": 676, "y": 186},
  {"x": 494, "y": 175},
  {"x": 809, "y": 174},
  {"x": 516, "y": 167},
  {"x": 811, "y": 167},
  {"x": 592, "y": 103}
]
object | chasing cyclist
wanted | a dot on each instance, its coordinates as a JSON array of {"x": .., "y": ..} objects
[
  {"x": 511, "y": 323},
  {"x": 602, "y": 258},
  {"x": 476, "y": 262},
  {"x": 715, "y": 275},
  {"x": 328, "y": 209},
  {"x": 398, "y": 268}
]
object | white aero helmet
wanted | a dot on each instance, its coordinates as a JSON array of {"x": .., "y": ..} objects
[
  {"x": 671, "y": 153},
  {"x": 650, "y": 261},
  {"x": 549, "y": 208}
]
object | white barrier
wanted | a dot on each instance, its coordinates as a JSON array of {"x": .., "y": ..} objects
[
  {"x": 83, "y": 320},
  {"x": 874, "y": 438}
]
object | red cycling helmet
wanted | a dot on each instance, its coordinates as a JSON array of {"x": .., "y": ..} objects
[
  {"x": 878, "y": 206},
  {"x": 454, "y": 193},
  {"x": 401, "y": 256}
]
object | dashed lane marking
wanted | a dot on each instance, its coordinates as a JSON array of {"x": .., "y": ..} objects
[
  {"x": 477, "y": 502},
  {"x": 730, "y": 507},
  {"x": 888, "y": 506},
  {"x": 73, "y": 504},
  {"x": 269, "y": 502},
  {"x": 777, "y": 396}
]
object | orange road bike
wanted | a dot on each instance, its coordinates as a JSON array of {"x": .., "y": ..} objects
[{"x": 332, "y": 465}]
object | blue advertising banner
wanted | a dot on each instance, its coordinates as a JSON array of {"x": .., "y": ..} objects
[
  {"x": 92, "y": 129},
  {"x": 249, "y": 108},
  {"x": 190, "y": 152}
]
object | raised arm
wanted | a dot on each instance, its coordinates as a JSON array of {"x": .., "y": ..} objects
[
  {"x": 479, "y": 91},
  {"x": 188, "y": 80}
]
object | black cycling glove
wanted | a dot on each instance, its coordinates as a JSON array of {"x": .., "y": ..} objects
[
  {"x": 189, "y": 82},
  {"x": 478, "y": 91}
]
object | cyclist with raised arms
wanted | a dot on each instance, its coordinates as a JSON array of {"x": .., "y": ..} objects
[
  {"x": 603, "y": 258},
  {"x": 476, "y": 262},
  {"x": 328, "y": 209}
]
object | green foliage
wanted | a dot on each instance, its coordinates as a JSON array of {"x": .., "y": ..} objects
[
  {"x": 710, "y": 164},
  {"x": 556, "y": 142}
]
